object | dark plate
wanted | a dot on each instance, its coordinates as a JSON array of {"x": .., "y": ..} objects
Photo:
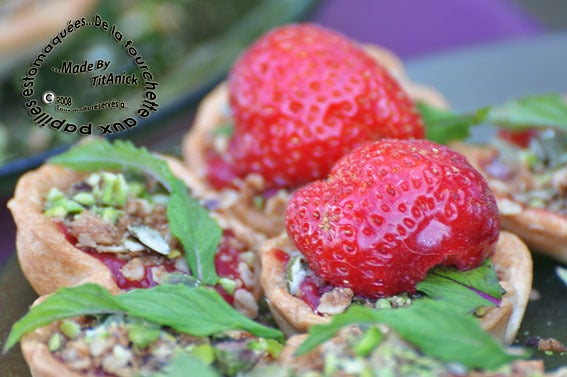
[
  {"x": 197, "y": 54},
  {"x": 469, "y": 78}
]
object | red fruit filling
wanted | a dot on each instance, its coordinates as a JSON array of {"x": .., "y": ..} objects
[{"x": 227, "y": 262}]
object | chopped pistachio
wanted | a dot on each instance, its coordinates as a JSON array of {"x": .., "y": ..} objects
[
  {"x": 85, "y": 198},
  {"x": 142, "y": 335},
  {"x": 174, "y": 254},
  {"x": 113, "y": 190},
  {"x": 383, "y": 303},
  {"x": 203, "y": 352},
  {"x": 331, "y": 365},
  {"x": 60, "y": 206},
  {"x": 70, "y": 329},
  {"x": 371, "y": 338},
  {"x": 120, "y": 191},
  {"x": 93, "y": 179},
  {"x": 108, "y": 214},
  {"x": 227, "y": 284},
  {"x": 55, "y": 342},
  {"x": 272, "y": 347},
  {"x": 56, "y": 212},
  {"x": 136, "y": 189},
  {"x": 53, "y": 194},
  {"x": 151, "y": 238}
]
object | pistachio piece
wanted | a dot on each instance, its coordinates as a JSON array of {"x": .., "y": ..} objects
[
  {"x": 57, "y": 205},
  {"x": 70, "y": 329},
  {"x": 85, "y": 198},
  {"x": 295, "y": 273},
  {"x": 150, "y": 237},
  {"x": 108, "y": 214},
  {"x": 227, "y": 284},
  {"x": 114, "y": 190}
]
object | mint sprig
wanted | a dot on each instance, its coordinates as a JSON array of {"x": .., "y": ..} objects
[
  {"x": 196, "y": 311},
  {"x": 189, "y": 222},
  {"x": 464, "y": 290},
  {"x": 541, "y": 111},
  {"x": 436, "y": 328}
]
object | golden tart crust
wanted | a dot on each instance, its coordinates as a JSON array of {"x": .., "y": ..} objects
[
  {"x": 213, "y": 113},
  {"x": 512, "y": 262}
]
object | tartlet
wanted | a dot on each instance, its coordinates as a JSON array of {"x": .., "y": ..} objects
[
  {"x": 512, "y": 262},
  {"x": 393, "y": 356},
  {"x": 525, "y": 198},
  {"x": 264, "y": 211},
  {"x": 117, "y": 346},
  {"x": 56, "y": 252}
]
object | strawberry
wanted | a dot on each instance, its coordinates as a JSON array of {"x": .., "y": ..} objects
[
  {"x": 390, "y": 211},
  {"x": 302, "y": 96}
]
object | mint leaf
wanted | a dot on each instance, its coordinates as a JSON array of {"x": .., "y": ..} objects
[
  {"x": 436, "y": 328},
  {"x": 181, "y": 364},
  {"x": 195, "y": 311},
  {"x": 465, "y": 290},
  {"x": 66, "y": 303},
  {"x": 443, "y": 126},
  {"x": 199, "y": 234},
  {"x": 440, "y": 330},
  {"x": 541, "y": 111},
  {"x": 101, "y": 154},
  {"x": 534, "y": 112},
  {"x": 189, "y": 222}
]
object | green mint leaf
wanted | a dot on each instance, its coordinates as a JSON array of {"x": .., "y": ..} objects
[
  {"x": 66, "y": 303},
  {"x": 199, "y": 234},
  {"x": 195, "y": 311},
  {"x": 543, "y": 111},
  {"x": 441, "y": 331},
  {"x": 443, "y": 126},
  {"x": 465, "y": 290},
  {"x": 537, "y": 111},
  {"x": 189, "y": 222},
  {"x": 101, "y": 154},
  {"x": 436, "y": 328},
  {"x": 182, "y": 363}
]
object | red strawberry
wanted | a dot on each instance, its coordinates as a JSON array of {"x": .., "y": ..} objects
[
  {"x": 390, "y": 211},
  {"x": 303, "y": 96}
]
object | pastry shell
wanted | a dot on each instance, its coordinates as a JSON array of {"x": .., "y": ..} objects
[
  {"x": 49, "y": 261},
  {"x": 542, "y": 230},
  {"x": 213, "y": 113},
  {"x": 314, "y": 360},
  {"x": 512, "y": 262}
]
